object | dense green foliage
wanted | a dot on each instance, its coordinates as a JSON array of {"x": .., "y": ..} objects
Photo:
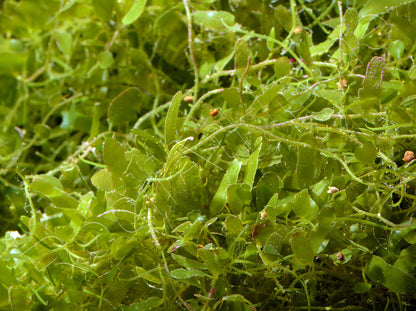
[{"x": 207, "y": 155}]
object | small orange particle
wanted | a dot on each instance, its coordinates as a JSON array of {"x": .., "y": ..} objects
[
  {"x": 263, "y": 214},
  {"x": 297, "y": 30},
  {"x": 214, "y": 112},
  {"x": 189, "y": 99},
  {"x": 408, "y": 156},
  {"x": 342, "y": 83}
]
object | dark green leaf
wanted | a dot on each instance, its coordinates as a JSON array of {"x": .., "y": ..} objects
[
  {"x": 283, "y": 17},
  {"x": 172, "y": 119},
  {"x": 233, "y": 225},
  {"x": 187, "y": 273},
  {"x": 303, "y": 45},
  {"x": 237, "y": 298},
  {"x": 302, "y": 248},
  {"x": 103, "y": 8},
  {"x": 373, "y": 78},
  {"x": 307, "y": 166},
  {"x": 125, "y": 106},
  {"x": 393, "y": 278},
  {"x": 186, "y": 262},
  {"x": 302, "y": 205},
  {"x": 265, "y": 98},
  {"x": 241, "y": 59},
  {"x": 211, "y": 261},
  {"x": 271, "y": 248},
  {"x": 182, "y": 193},
  {"x": 148, "y": 304},
  {"x": 366, "y": 153},
  {"x": 73, "y": 120},
  {"x": 125, "y": 249},
  {"x": 267, "y": 186},
  {"x": 238, "y": 195},
  {"x": 282, "y": 67},
  {"x": 407, "y": 259},
  {"x": 361, "y": 287},
  {"x": 193, "y": 230},
  {"x": 42, "y": 130},
  {"x": 374, "y": 8},
  {"x": 262, "y": 231},
  {"x": 351, "y": 19},
  {"x": 114, "y": 157}
]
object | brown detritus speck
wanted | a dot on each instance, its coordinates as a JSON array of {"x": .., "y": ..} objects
[
  {"x": 340, "y": 256},
  {"x": 214, "y": 112},
  {"x": 409, "y": 156},
  {"x": 189, "y": 99}
]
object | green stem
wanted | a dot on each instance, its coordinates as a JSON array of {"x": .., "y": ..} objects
[
  {"x": 191, "y": 49},
  {"x": 280, "y": 43},
  {"x": 29, "y": 198},
  {"x": 282, "y": 140}
]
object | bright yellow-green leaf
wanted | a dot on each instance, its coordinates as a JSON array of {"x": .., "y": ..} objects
[
  {"x": 64, "y": 40},
  {"x": 252, "y": 164},
  {"x": 134, "y": 13},
  {"x": 220, "y": 197},
  {"x": 105, "y": 60},
  {"x": 213, "y": 20}
]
